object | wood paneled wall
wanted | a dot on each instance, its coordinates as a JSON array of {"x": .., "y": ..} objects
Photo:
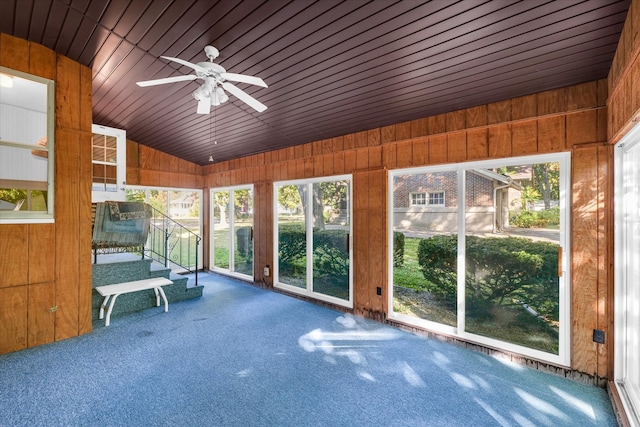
[
  {"x": 149, "y": 167},
  {"x": 624, "y": 114},
  {"x": 568, "y": 119},
  {"x": 45, "y": 269},
  {"x": 624, "y": 78}
]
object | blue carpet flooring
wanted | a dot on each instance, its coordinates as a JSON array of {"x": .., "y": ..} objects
[{"x": 244, "y": 356}]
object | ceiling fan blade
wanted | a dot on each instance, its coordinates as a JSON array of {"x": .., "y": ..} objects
[
  {"x": 242, "y": 78},
  {"x": 204, "y": 106},
  {"x": 245, "y": 97},
  {"x": 187, "y": 63},
  {"x": 167, "y": 80}
]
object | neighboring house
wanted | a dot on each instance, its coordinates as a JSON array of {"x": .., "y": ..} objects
[
  {"x": 429, "y": 202},
  {"x": 183, "y": 206}
]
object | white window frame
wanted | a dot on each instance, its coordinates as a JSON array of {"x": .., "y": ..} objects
[
  {"x": 435, "y": 204},
  {"x": 232, "y": 235},
  {"x": 627, "y": 327},
  {"x": 308, "y": 291},
  {"x": 563, "y": 356},
  {"x": 30, "y": 217},
  {"x": 121, "y": 166},
  {"x": 423, "y": 196}
]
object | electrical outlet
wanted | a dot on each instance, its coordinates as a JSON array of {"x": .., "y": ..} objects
[
  {"x": 379, "y": 290},
  {"x": 266, "y": 271},
  {"x": 598, "y": 336}
]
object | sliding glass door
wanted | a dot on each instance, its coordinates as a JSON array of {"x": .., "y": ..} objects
[
  {"x": 232, "y": 230},
  {"x": 627, "y": 272},
  {"x": 312, "y": 226},
  {"x": 479, "y": 251},
  {"x": 425, "y": 204}
]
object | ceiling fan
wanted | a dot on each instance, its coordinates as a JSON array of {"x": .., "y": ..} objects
[{"x": 212, "y": 91}]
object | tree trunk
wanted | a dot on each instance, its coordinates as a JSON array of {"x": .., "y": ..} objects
[{"x": 317, "y": 207}]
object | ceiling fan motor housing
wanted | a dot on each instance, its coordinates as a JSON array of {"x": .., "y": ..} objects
[{"x": 211, "y": 52}]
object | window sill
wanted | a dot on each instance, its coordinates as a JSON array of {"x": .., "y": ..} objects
[{"x": 27, "y": 220}]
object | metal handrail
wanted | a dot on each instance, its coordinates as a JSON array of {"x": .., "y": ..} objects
[{"x": 170, "y": 241}]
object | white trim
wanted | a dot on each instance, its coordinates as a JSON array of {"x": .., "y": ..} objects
[
  {"x": 444, "y": 200},
  {"x": 462, "y": 253},
  {"x": 25, "y": 220},
  {"x": 624, "y": 298},
  {"x": 35, "y": 217},
  {"x": 121, "y": 166},
  {"x": 415, "y": 193}
]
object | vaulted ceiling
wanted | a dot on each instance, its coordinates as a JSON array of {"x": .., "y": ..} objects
[{"x": 332, "y": 67}]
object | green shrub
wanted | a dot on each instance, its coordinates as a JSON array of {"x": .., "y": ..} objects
[
  {"x": 331, "y": 255},
  {"x": 398, "y": 249},
  {"x": 437, "y": 257},
  {"x": 540, "y": 219},
  {"x": 500, "y": 271},
  {"x": 523, "y": 219},
  {"x": 292, "y": 246},
  {"x": 549, "y": 217}
]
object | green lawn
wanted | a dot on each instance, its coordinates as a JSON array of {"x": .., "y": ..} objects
[
  {"x": 221, "y": 251},
  {"x": 410, "y": 275}
]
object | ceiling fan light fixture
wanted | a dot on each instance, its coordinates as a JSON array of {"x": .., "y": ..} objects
[
  {"x": 218, "y": 96},
  {"x": 200, "y": 93},
  {"x": 222, "y": 97},
  {"x": 215, "y": 100}
]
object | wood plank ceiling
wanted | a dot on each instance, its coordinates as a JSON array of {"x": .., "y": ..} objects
[{"x": 333, "y": 67}]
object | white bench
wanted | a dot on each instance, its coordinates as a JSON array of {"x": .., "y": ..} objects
[{"x": 112, "y": 291}]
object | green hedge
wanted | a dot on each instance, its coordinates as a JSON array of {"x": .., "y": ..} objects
[
  {"x": 538, "y": 219},
  {"x": 499, "y": 271},
  {"x": 331, "y": 256}
]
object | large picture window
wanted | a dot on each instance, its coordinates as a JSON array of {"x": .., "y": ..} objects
[
  {"x": 627, "y": 271},
  {"x": 487, "y": 264},
  {"x": 312, "y": 229},
  {"x": 26, "y": 147}
]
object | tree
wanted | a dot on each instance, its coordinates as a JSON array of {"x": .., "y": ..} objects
[
  {"x": 528, "y": 195},
  {"x": 136, "y": 196},
  {"x": 221, "y": 201},
  {"x": 546, "y": 179},
  {"x": 158, "y": 199},
  {"x": 316, "y": 200},
  {"x": 241, "y": 200},
  {"x": 12, "y": 195},
  {"x": 328, "y": 195},
  {"x": 194, "y": 211},
  {"x": 289, "y": 197}
]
